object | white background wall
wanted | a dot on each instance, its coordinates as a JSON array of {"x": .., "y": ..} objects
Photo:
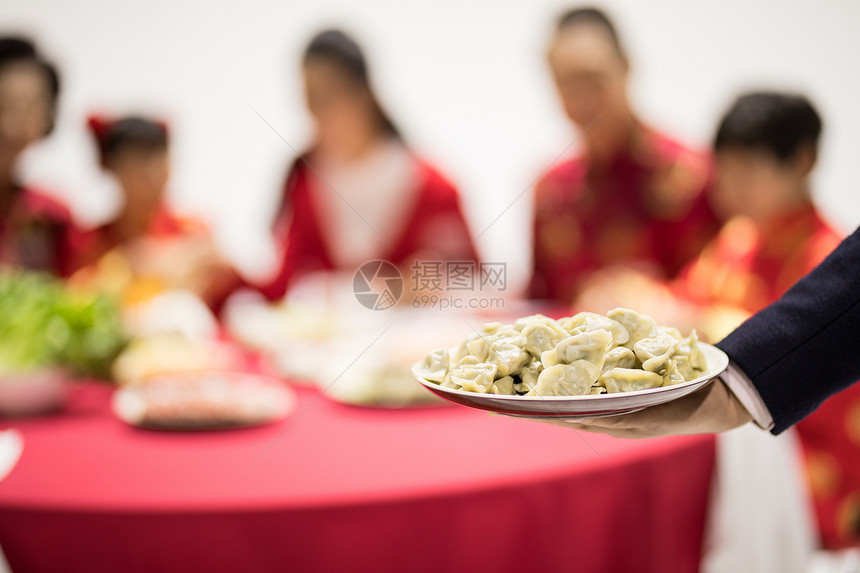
[{"x": 466, "y": 81}]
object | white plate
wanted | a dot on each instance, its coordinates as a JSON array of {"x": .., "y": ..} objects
[
  {"x": 204, "y": 400},
  {"x": 591, "y": 406}
]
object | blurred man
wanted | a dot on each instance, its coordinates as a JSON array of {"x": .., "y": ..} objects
[{"x": 633, "y": 196}]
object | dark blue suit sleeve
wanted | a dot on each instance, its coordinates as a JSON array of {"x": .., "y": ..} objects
[{"x": 805, "y": 347}]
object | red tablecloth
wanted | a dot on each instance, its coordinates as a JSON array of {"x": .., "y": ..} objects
[{"x": 349, "y": 489}]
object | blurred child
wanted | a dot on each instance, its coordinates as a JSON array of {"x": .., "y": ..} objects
[
  {"x": 159, "y": 249},
  {"x": 766, "y": 148}
]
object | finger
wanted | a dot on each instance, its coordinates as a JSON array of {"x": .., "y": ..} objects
[
  {"x": 618, "y": 421},
  {"x": 642, "y": 424},
  {"x": 588, "y": 425}
]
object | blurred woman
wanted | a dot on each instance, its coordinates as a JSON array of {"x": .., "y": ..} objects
[
  {"x": 158, "y": 248},
  {"x": 32, "y": 225},
  {"x": 359, "y": 193}
]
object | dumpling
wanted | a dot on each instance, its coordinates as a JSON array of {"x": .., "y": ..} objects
[
  {"x": 589, "y": 321},
  {"x": 542, "y": 336},
  {"x": 507, "y": 352},
  {"x": 463, "y": 349},
  {"x": 573, "y": 379},
  {"x": 619, "y": 357},
  {"x": 489, "y": 328},
  {"x": 655, "y": 350},
  {"x": 479, "y": 348},
  {"x": 528, "y": 378},
  {"x": 497, "y": 344},
  {"x": 590, "y": 346},
  {"x": 434, "y": 366},
  {"x": 672, "y": 331},
  {"x": 685, "y": 368},
  {"x": 689, "y": 357},
  {"x": 468, "y": 360},
  {"x": 521, "y": 323},
  {"x": 672, "y": 376},
  {"x": 629, "y": 380},
  {"x": 503, "y": 386},
  {"x": 477, "y": 377},
  {"x": 638, "y": 325},
  {"x": 476, "y": 340}
]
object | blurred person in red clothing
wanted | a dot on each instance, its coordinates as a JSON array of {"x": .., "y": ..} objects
[
  {"x": 634, "y": 196},
  {"x": 146, "y": 240},
  {"x": 32, "y": 225},
  {"x": 359, "y": 193},
  {"x": 135, "y": 151},
  {"x": 766, "y": 147}
]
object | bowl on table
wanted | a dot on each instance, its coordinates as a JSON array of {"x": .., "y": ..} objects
[{"x": 32, "y": 393}]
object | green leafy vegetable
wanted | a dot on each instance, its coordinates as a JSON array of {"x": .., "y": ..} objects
[{"x": 44, "y": 325}]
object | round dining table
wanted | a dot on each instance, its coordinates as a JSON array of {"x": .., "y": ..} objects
[{"x": 336, "y": 488}]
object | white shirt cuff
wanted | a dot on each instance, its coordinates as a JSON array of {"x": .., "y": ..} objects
[{"x": 744, "y": 390}]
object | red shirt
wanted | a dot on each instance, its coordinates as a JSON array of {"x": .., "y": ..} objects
[
  {"x": 164, "y": 232},
  {"x": 436, "y": 229},
  {"x": 87, "y": 246},
  {"x": 748, "y": 266},
  {"x": 34, "y": 232},
  {"x": 647, "y": 205}
]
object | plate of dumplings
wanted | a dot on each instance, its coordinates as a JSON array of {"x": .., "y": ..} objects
[{"x": 584, "y": 366}]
